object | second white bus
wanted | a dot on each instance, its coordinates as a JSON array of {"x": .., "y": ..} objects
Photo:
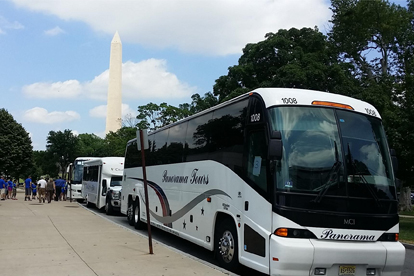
[{"x": 101, "y": 183}]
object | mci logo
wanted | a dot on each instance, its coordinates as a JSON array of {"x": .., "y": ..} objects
[{"x": 349, "y": 221}]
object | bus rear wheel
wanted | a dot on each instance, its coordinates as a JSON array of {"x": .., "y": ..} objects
[
  {"x": 130, "y": 214},
  {"x": 226, "y": 245}
]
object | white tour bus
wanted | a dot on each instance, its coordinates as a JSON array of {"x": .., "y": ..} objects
[
  {"x": 101, "y": 183},
  {"x": 284, "y": 181},
  {"x": 75, "y": 173}
]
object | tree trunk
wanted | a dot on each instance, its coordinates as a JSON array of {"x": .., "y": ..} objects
[{"x": 405, "y": 199}]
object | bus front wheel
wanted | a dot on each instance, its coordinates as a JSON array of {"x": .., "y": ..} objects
[
  {"x": 138, "y": 224},
  {"x": 226, "y": 245}
]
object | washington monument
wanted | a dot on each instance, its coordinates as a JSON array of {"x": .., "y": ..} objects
[{"x": 114, "y": 104}]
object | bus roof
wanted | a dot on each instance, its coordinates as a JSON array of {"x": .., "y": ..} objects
[
  {"x": 107, "y": 160},
  {"x": 280, "y": 96}
]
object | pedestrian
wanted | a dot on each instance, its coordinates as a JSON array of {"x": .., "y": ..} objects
[
  {"x": 14, "y": 190},
  {"x": 2, "y": 188},
  {"x": 50, "y": 189},
  {"x": 42, "y": 189},
  {"x": 9, "y": 189},
  {"x": 27, "y": 188},
  {"x": 34, "y": 190},
  {"x": 58, "y": 184},
  {"x": 63, "y": 192}
]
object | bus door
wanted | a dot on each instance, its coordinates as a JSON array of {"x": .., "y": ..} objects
[
  {"x": 257, "y": 210},
  {"x": 99, "y": 188}
]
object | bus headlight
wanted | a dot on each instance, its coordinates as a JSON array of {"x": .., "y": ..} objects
[
  {"x": 294, "y": 233},
  {"x": 115, "y": 195}
]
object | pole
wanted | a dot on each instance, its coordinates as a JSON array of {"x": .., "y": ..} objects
[{"x": 144, "y": 173}]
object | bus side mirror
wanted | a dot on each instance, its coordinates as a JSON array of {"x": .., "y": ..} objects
[
  {"x": 275, "y": 146},
  {"x": 104, "y": 187},
  {"x": 394, "y": 160}
]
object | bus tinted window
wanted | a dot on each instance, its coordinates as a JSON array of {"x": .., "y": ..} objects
[
  {"x": 176, "y": 141},
  {"x": 132, "y": 156},
  {"x": 159, "y": 147},
  {"x": 198, "y": 137}
]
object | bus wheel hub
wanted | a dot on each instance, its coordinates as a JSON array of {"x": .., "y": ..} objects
[{"x": 226, "y": 244}]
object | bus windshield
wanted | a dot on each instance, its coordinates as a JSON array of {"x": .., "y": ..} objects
[
  {"x": 332, "y": 160},
  {"x": 77, "y": 172},
  {"x": 116, "y": 181}
]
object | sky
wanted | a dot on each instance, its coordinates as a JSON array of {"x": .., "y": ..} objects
[{"x": 54, "y": 54}]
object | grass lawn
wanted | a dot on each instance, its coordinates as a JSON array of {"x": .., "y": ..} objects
[{"x": 407, "y": 230}]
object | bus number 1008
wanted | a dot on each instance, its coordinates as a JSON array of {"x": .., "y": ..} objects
[{"x": 289, "y": 100}]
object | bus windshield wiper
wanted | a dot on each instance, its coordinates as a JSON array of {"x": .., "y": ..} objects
[
  {"x": 332, "y": 178},
  {"x": 362, "y": 177}
]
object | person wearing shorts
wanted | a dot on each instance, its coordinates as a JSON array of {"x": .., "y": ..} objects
[
  {"x": 9, "y": 188},
  {"x": 2, "y": 188},
  {"x": 34, "y": 190},
  {"x": 14, "y": 190},
  {"x": 27, "y": 188}
]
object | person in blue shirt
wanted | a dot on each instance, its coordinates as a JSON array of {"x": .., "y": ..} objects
[
  {"x": 34, "y": 190},
  {"x": 9, "y": 189},
  {"x": 27, "y": 188},
  {"x": 63, "y": 191},
  {"x": 14, "y": 190},
  {"x": 59, "y": 183},
  {"x": 2, "y": 188}
]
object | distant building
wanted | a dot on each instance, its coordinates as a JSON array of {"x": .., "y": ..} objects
[{"x": 114, "y": 104}]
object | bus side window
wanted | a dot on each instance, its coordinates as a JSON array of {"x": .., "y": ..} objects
[{"x": 256, "y": 159}]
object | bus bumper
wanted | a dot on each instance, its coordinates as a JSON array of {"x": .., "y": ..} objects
[
  {"x": 290, "y": 256},
  {"x": 76, "y": 194},
  {"x": 116, "y": 204}
]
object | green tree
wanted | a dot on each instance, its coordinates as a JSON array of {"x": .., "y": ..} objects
[
  {"x": 61, "y": 148},
  {"x": 290, "y": 58},
  {"x": 376, "y": 39},
  {"x": 44, "y": 164},
  {"x": 15, "y": 147},
  {"x": 89, "y": 145},
  {"x": 116, "y": 141}
]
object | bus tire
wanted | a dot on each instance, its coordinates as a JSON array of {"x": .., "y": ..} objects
[
  {"x": 88, "y": 204},
  {"x": 130, "y": 214},
  {"x": 226, "y": 245},
  {"x": 137, "y": 216},
  {"x": 109, "y": 210}
]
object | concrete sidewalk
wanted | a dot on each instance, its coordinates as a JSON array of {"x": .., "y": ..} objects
[{"x": 62, "y": 238}]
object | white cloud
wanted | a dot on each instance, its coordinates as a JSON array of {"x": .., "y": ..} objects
[
  {"x": 55, "y": 31},
  {"x": 144, "y": 80},
  {"x": 75, "y": 132},
  {"x": 5, "y": 24},
  {"x": 46, "y": 90},
  {"x": 42, "y": 116},
  {"x": 210, "y": 27},
  {"x": 100, "y": 111}
]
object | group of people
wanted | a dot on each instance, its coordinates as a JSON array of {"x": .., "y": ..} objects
[
  {"x": 8, "y": 188},
  {"x": 45, "y": 189}
]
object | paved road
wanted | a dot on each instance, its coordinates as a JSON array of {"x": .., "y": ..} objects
[{"x": 207, "y": 256}]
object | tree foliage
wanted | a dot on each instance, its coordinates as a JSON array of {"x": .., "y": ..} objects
[
  {"x": 61, "y": 148},
  {"x": 116, "y": 141},
  {"x": 289, "y": 58},
  {"x": 15, "y": 147}
]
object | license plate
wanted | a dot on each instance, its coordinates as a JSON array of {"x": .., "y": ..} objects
[{"x": 346, "y": 270}]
